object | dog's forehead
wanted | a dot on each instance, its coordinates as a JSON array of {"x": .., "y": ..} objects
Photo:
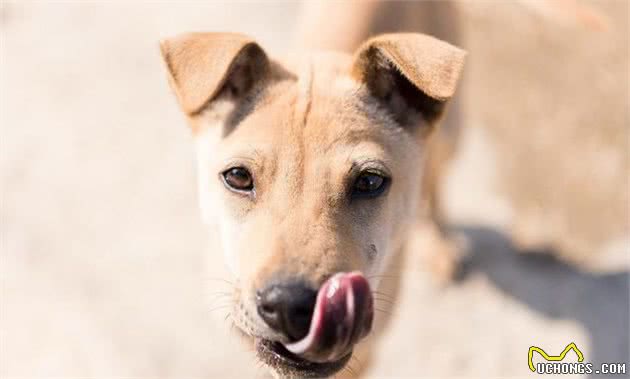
[
  {"x": 324, "y": 105},
  {"x": 321, "y": 111}
]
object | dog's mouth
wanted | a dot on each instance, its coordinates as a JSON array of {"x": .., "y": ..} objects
[
  {"x": 275, "y": 355},
  {"x": 342, "y": 316}
]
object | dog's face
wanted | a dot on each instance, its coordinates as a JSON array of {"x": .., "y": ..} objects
[{"x": 309, "y": 171}]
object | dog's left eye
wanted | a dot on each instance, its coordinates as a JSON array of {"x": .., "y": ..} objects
[
  {"x": 369, "y": 184},
  {"x": 238, "y": 179}
]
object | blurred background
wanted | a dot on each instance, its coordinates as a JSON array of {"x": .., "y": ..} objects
[{"x": 102, "y": 251}]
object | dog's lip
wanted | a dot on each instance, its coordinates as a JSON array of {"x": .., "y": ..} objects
[{"x": 275, "y": 355}]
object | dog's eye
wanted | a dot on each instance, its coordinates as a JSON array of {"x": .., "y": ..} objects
[
  {"x": 369, "y": 184},
  {"x": 238, "y": 179}
]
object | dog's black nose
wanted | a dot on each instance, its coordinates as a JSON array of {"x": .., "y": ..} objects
[{"x": 287, "y": 308}]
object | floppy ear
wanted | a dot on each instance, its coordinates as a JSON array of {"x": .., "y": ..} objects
[
  {"x": 411, "y": 74},
  {"x": 204, "y": 66}
]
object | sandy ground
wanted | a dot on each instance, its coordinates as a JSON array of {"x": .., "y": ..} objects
[{"x": 102, "y": 249}]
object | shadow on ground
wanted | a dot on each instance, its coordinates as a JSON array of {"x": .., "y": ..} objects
[{"x": 599, "y": 302}]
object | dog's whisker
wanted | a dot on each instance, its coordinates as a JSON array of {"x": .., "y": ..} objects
[
  {"x": 220, "y": 292},
  {"x": 382, "y": 294},
  {"x": 217, "y": 303},
  {"x": 355, "y": 359},
  {"x": 353, "y": 371},
  {"x": 391, "y": 302},
  {"x": 383, "y": 277},
  {"x": 221, "y": 280},
  {"x": 219, "y": 307},
  {"x": 218, "y": 297},
  {"x": 384, "y": 311},
  {"x": 384, "y": 299},
  {"x": 350, "y": 370}
]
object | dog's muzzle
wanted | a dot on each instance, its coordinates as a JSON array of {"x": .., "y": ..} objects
[{"x": 342, "y": 314}]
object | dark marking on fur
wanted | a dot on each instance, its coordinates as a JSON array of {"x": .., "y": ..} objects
[{"x": 372, "y": 252}]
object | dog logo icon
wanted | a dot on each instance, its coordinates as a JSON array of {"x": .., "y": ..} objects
[{"x": 552, "y": 358}]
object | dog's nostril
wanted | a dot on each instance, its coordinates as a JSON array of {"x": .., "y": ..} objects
[
  {"x": 267, "y": 309},
  {"x": 287, "y": 308}
]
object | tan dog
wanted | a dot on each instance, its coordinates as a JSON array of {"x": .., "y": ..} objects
[{"x": 310, "y": 171}]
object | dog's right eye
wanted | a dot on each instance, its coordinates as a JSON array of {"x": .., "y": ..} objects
[{"x": 238, "y": 179}]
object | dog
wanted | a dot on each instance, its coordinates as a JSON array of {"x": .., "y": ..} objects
[{"x": 310, "y": 171}]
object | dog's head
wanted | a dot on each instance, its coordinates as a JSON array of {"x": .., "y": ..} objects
[{"x": 309, "y": 169}]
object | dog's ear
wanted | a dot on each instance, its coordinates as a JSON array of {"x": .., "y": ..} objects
[
  {"x": 205, "y": 66},
  {"x": 410, "y": 74}
]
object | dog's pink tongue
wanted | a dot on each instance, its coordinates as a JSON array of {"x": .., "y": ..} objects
[{"x": 343, "y": 315}]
